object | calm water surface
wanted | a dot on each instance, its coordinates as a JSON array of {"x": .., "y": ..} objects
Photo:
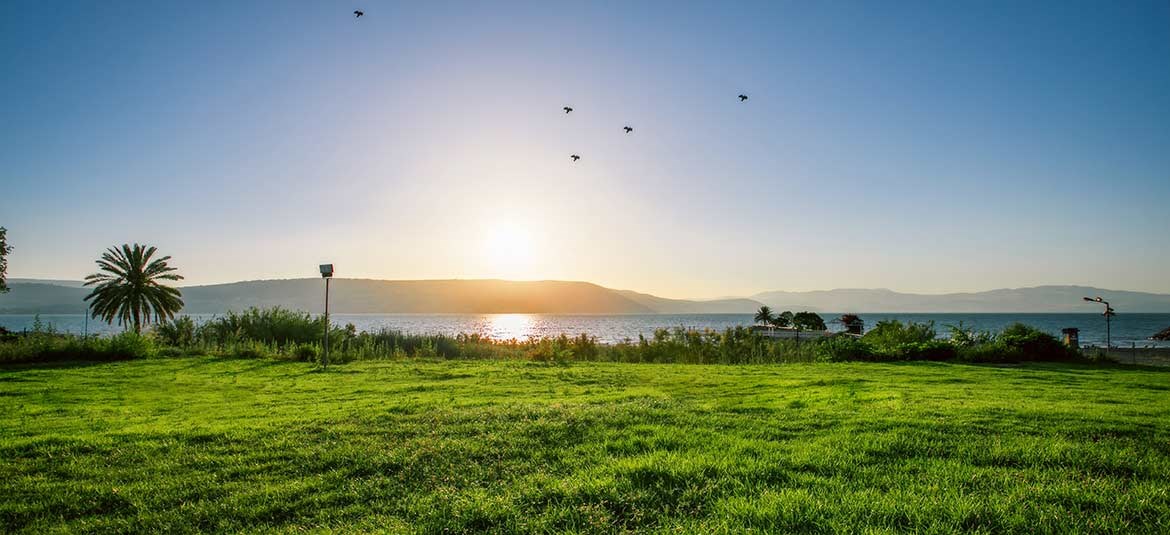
[{"x": 1126, "y": 328}]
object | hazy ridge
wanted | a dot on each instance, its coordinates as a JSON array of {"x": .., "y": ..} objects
[
  {"x": 365, "y": 296},
  {"x": 1050, "y": 299},
  {"x": 357, "y": 296}
]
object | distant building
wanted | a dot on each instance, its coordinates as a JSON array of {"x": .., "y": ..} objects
[
  {"x": 786, "y": 333},
  {"x": 853, "y": 324}
]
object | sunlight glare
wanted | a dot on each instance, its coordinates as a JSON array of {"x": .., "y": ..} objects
[{"x": 509, "y": 247}]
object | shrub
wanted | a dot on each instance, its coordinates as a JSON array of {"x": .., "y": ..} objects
[
  {"x": 251, "y": 350},
  {"x": 927, "y": 350},
  {"x": 48, "y": 346},
  {"x": 964, "y": 337},
  {"x": 171, "y": 352},
  {"x": 307, "y": 353},
  {"x": 275, "y": 325},
  {"x": 843, "y": 349},
  {"x": 888, "y": 335},
  {"x": 1034, "y": 344},
  {"x": 1019, "y": 342},
  {"x": 128, "y": 345},
  {"x": 179, "y": 332},
  {"x": 427, "y": 350}
]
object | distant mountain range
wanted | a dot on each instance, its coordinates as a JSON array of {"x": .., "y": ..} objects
[
  {"x": 357, "y": 296},
  {"x": 363, "y": 296},
  {"x": 1035, "y": 299}
]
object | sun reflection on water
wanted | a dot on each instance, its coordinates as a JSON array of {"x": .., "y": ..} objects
[{"x": 509, "y": 326}]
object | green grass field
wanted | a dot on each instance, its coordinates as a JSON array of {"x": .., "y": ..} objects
[{"x": 430, "y": 446}]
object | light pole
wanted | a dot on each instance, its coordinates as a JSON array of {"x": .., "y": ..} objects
[
  {"x": 1108, "y": 314},
  {"x": 326, "y": 273}
]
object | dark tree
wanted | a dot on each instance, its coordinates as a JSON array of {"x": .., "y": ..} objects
[
  {"x": 808, "y": 321},
  {"x": 4, "y": 250},
  {"x": 764, "y": 315},
  {"x": 129, "y": 288}
]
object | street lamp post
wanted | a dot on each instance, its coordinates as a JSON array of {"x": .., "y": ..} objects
[
  {"x": 326, "y": 273},
  {"x": 1108, "y": 313}
]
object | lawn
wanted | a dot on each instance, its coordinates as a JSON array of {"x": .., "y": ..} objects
[{"x": 204, "y": 444}]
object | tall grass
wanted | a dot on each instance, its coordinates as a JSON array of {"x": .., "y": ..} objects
[
  {"x": 278, "y": 333},
  {"x": 41, "y": 346}
]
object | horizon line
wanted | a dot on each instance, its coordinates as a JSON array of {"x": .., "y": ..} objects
[{"x": 752, "y": 296}]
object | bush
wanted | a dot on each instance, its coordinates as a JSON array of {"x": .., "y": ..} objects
[
  {"x": 179, "y": 332},
  {"x": 888, "y": 335},
  {"x": 927, "y": 350},
  {"x": 251, "y": 349},
  {"x": 1033, "y": 344},
  {"x": 127, "y": 345},
  {"x": 844, "y": 349},
  {"x": 963, "y": 337},
  {"x": 48, "y": 346},
  {"x": 307, "y": 353},
  {"x": 275, "y": 325}
]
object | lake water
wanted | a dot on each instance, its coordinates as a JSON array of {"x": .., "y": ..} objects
[{"x": 1126, "y": 328}]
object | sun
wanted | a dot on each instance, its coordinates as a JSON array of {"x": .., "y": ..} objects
[{"x": 509, "y": 249}]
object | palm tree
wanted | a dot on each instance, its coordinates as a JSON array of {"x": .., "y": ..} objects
[
  {"x": 764, "y": 315},
  {"x": 128, "y": 287}
]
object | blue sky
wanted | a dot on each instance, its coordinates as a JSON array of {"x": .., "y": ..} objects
[{"x": 918, "y": 146}]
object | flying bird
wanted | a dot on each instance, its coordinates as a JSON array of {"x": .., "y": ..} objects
[
  {"x": 628, "y": 129},
  {"x": 357, "y": 13},
  {"x": 567, "y": 109},
  {"x": 575, "y": 157},
  {"x": 742, "y": 98}
]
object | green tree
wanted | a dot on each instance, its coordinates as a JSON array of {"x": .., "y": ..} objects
[
  {"x": 808, "y": 321},
  {"x": 129, "y": 288},
  {"x": 764, "y": 315},
  {"x": 781, "y": 321},
  {"x": 4, "y": 250}
]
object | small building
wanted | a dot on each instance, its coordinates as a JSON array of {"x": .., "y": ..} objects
[
  {"x": 788, "y": 333},
  {"x": 853, "y": 324}
]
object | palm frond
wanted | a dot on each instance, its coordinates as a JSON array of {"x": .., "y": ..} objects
[{"x": 128, "y": 288}]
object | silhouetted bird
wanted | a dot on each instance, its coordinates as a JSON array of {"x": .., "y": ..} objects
[
  {"x": 358, "y": 13},
  {"x": 567, "y": 109},
  {"x": 628, "y": 129},
  {"x": 742, "y": 98},
  {"x": 575, "y": 157}
]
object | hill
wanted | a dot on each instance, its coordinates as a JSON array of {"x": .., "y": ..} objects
[
  {"x": 364, "y": 296},
  {"x": 1050, "y": 299}
]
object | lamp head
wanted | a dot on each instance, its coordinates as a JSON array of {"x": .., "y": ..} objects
[{"x": 326, "y": 270}]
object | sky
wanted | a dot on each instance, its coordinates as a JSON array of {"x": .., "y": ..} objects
[{"x": 919, "y": 146}]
